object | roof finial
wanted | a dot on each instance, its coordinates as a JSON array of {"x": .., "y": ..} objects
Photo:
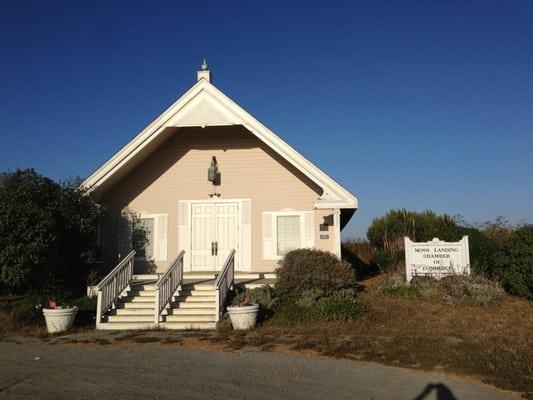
[{"x": 204, "y": 72}]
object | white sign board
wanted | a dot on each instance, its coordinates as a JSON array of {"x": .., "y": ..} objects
[{"x": 436, "y": 258}]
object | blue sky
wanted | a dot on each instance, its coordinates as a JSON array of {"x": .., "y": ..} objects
[{"x": 425, "y": 105}]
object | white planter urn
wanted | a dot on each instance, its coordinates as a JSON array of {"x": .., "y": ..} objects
[
  {"x": 59, "y": 319},
  {"x": 243, "y": 317}
]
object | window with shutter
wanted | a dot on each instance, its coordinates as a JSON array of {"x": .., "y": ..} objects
[
  {"x": 288, "y": 233},
  {"x": 284, "y": 231},
  {"x": 149, "y": 237},
  {"x": 143, "y": 237}
]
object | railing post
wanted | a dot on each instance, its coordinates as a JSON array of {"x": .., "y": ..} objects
[
  {"x": 99, "y": 309},
  {"x": 156, "y": 306},
  {"x": 217, "y": 304}
]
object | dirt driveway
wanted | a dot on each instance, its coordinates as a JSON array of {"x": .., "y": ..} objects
[{"x": 35, "y": 369}]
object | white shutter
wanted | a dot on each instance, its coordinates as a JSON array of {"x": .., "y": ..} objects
[
  {"x": 308, "y": 236},
  {"x": 184, "y": 232},
  {"x": 245, "y": 242},
  {"x": 269, "y": 244},
  {"x": 160, "y": 237},
  {"x": 124, "y": 226}
]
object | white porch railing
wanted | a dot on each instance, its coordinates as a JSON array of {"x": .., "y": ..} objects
[
  {"x": 167, "y": 285},
  {"x": 110, "y": 288},
  {"x": 224, "y": 283}
]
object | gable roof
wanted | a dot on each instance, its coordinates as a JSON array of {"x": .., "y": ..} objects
[{"x": 205, "y": 105}]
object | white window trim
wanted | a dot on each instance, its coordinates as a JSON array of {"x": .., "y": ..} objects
[
  {"x": 155, "y": 218},
  {"x": 275, "y": 215}
]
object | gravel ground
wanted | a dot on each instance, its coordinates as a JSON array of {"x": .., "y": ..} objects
[{"x": 37, "y": 369}]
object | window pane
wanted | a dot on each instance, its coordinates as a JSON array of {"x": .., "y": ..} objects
[
  {"x": 143, "y": 237},
  {"x": 288, "y": 229}
]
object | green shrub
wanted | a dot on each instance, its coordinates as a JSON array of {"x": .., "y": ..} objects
[
  {"x": 513, "y": 264},
  {"x": 224, "y": 323},
  {"x": 333, "y": 309},
  {"x": 47, "y": 232},
  {"x": 86, "y": 310},
  {"x": 25, "y": 314},
  {"x": 386, "y": 234},
  {"x": 481, "y": 247},
  {"x": 305, "y": 270},
  {"x": 460, "y": 289},
  {"x": 291, "y": 314},
  {"x": 397, "y": 285}
]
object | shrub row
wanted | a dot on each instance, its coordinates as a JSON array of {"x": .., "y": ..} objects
[
  {"x": 312, "y": 285},
  {"x": 497, "y": 250}
]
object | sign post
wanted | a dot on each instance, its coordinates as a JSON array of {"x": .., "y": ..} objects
[{"x": 436, "y": 258}]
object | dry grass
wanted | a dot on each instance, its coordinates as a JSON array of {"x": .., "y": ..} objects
[{"x": 490, "y": 342}]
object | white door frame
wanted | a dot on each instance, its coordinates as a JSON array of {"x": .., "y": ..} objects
[{"x": 187, "y": 267}]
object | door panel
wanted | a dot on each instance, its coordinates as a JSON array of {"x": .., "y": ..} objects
[
  {"x": 213, "y": 223},
  {"x": 202, "y": 237},
  {"x": 226, "y": 217}
]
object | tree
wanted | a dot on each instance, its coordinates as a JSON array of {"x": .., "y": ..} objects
[
  {"x": 514, "y": 263},
  {"x": 47, "y": 231}
]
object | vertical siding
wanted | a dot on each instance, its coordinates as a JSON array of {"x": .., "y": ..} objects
[{"x": 177, "y": 170}]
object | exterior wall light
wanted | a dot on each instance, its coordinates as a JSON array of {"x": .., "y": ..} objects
[
  {"x": 212, "y": 172},
  {"x": 213, "y": 176}
]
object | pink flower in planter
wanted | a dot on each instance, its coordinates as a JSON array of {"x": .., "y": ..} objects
[
  {"x": 246, "y": 302},
  {"x": 52, "y": 304}
]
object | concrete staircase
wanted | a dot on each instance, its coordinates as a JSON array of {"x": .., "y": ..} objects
[
  {"x": 135, "y": 308},
  {"x": 193, "y": 306}
]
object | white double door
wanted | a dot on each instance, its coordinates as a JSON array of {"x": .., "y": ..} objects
[{"x": 214, "y": 234}]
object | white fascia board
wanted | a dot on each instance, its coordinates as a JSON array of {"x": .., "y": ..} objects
[{"x": 334, "y": 194}]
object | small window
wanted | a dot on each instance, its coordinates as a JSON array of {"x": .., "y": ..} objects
[
  {"x": 288, "y": 233},
  {"x": 143, "y": 237}
]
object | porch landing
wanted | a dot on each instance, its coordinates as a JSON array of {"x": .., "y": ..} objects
[{"x": 249, "y": 280}]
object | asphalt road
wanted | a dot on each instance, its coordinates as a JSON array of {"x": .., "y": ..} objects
[{"x": 33, "y": 369}]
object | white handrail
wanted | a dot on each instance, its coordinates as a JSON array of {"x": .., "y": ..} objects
[
  {"x": 168, "y": 284},
  {"x": 110, "y": 288},
  {"x": 224, "y": 283}
]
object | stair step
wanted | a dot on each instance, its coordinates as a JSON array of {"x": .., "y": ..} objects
[
  {"x": 205, "y": 292},
  {"x": 188, "y": 325},
  {"x": 129, "y": 304},
  {"x": 191, "y": 318},
  {"x": 198, "y": 286},
  {"x": 201, "y": 299},
  {"x": 135, "y": 311},
  {"x": 131, "y": 318},
  {"x": 244, "y": 275},
  {"x": 197, "y": 304},
  {"x": 191, "y": 311},
  {"x": 142, "y": 287},
  {"x": 137, "y": 299},
  {"x": 146, "y": 277},
  {"x": 199, "y": 275},
  {"x": 143, "y": 293}
]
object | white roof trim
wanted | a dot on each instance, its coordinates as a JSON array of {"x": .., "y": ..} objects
[{"x": 182, "y": 113}]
